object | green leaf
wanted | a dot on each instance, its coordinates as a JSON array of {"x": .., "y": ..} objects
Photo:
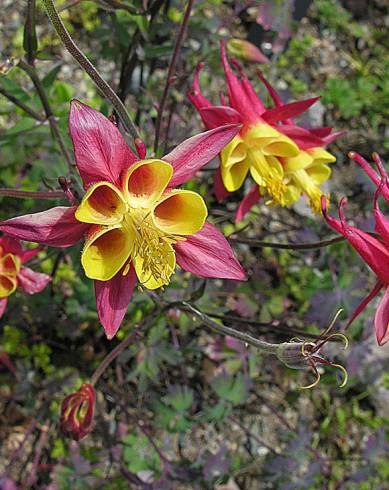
[
  {"x": 49, "y": 79},
  {"x": 217, "y": 413},
  {"x": 14, "y": 89},
  {"x": 231, "y": 388},
  {"x": 24, "y": 124},
  {"x": 138, "y": 455},
  {"x": 180, "y": 398}
]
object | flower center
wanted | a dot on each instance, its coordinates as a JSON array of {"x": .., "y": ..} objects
[
  {"x": 268, "y": 173},
  {"x": 151, "y": 248}
]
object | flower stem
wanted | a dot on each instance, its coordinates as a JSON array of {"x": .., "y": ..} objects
[
  {"x": 252, "y": 242},
  {"x": 120, "y": 348},
  {"x": 31, "y": 72},
  {"x": 22, "y": 105},
  {"x": 79, "y": 56},
  {"x": 32, "y": 194},
  {"x": 274, "y": 325},
  {"x": 263, "y": 346},
  {"x": 171, "y": 69}
]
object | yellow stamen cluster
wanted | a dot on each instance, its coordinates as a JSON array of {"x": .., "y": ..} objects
[{"x": 151, "y": 246}]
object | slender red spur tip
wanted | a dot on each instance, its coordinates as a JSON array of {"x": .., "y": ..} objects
[{"x": 140, "y": 148}]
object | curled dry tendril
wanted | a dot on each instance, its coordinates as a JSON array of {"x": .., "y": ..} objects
[{"x": 310, "y": 350}]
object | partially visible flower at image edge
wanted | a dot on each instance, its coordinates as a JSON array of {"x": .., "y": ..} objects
[
  {"x": 14, "y": 274},
  {"x": 136, "y": 224},
  {"x": 284, "y": 160},
  {"x": 77, "y": 411},
  {"x": 374, "y": 251}
]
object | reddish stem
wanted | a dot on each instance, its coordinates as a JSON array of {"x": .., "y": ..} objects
[
  {"x": 32, "y": 194},
  {"x": 119, "y": 349}
]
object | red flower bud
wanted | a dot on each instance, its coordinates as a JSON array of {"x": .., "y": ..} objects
[{"x": 77, "y": 413}]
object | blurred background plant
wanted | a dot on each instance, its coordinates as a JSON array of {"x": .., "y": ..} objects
[{"x": 181, "y": 407}]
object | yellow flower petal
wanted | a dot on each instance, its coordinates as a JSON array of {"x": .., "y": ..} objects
[
  {"x": 233, "y": 176},
  {"x": 319, "y": 173},
  {"x": 282, "y": 146},
  {"x": 106, "y": 251},
  {"x": 180, "y": 213},
  {"x": 260, "y": 135},
  {"x": 302, "y": 160},
  {"x": 320, "y": 155},
  {"x": 146, "y": 181},
  {"x": 7, "y": 285},
  {"x": 234, "y": 152},
  {"x": 10, "y": 265},
  {"x": 103, "y": 204},
  {"x": 163, "y": 268}
]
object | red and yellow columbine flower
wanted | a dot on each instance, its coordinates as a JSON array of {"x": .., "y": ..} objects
[
  {"x": 136, "y": 223},
  {"x": 374, "y": 251},
  {"x": 14, "y": 274},
  {"x": 283, "y": 159},
  {"x": 77, "y": 412}
]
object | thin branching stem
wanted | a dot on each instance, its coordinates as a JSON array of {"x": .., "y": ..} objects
[
  {"x": 284, "y": 329},
  {"x": 263, "y": 346},
  {"x": 32, "y": 73},
  {"x": 84, "y": 62},
  {"x": 120, "y": 347},
  {"x": 22, "y": 105},
  {"x": 32, "y": 194},
  {"x": 252, "y": 242},
  {"x": 170, "y": 73},
  {"x": 286, "y": 246}
]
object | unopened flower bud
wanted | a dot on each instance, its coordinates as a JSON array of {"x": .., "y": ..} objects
[
  {"x": 245, "y": 51},
  {"x": 77, "y": 413}
]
